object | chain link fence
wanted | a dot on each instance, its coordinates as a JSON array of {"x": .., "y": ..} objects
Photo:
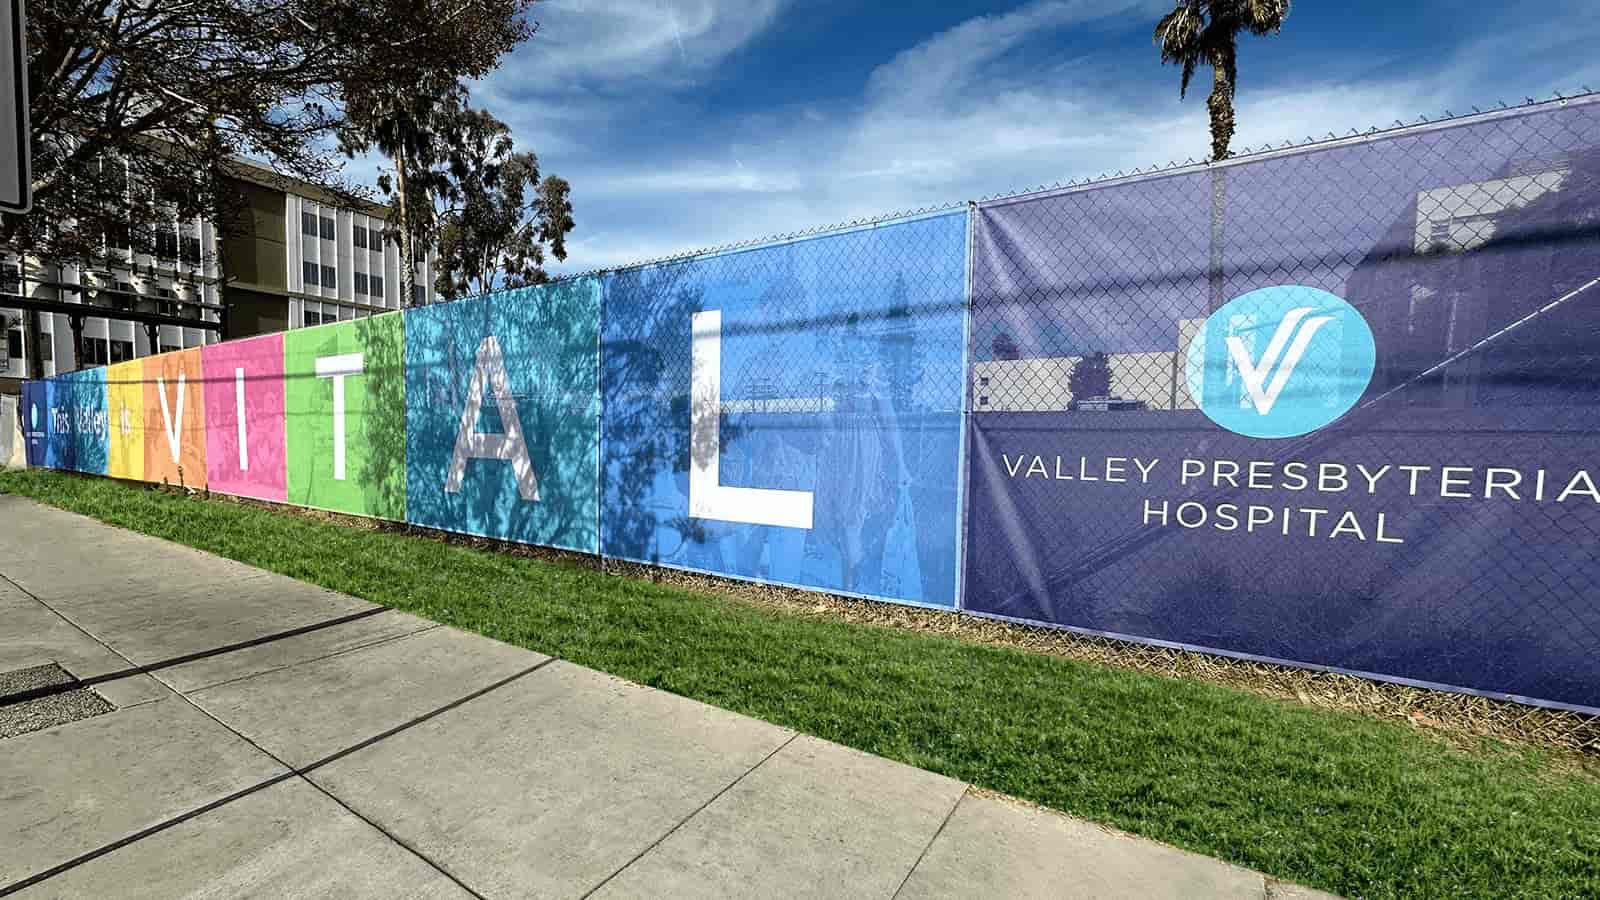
[
  {"x": 1043, "y": 350},
  {"x": 1471, "y": 249}
]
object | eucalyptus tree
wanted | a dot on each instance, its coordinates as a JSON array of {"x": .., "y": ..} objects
[{"x": 502, "y": 217}]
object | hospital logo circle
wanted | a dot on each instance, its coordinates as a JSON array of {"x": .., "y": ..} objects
[{"x": 1280, "y": 361}]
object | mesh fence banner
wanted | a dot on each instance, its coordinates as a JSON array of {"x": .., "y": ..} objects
[
  {"x": 792, "y": 413},
  {"x": 1335, "y": 406},
  {"x": 503, "y": 415},
  {"x": 174, "y": 418},
  {"x": 125, "y": 412},
  {"x": 89, "y": 427},
  {"x": 345, "y": 416},
  {"x": 34, "y": 412},
  {"x": 244, "y": 426},
  {"x": 65, "y": 423},
  {"x": 79, "y": 434}
]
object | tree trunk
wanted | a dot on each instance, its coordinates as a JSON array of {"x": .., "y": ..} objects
[
  {"x": 76, "y": 324},
  {"x": 33, "y": 356},
  {"x": 31, "y": 336},
  {"x": 408, "y": 269},
  {"x": 1220, "y": 103}
]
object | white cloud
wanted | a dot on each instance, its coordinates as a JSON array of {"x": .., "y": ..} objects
[
  {"x": 951, "y": 118},
  {"x": 623, "y": 40},
  {"x": 949, "y": 62},
  {"x": 679, "y": 180}
]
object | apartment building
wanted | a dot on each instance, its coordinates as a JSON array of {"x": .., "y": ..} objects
[
  {"x": 297, "y": 258},
  {"x": 301, "y": 258},
  {"x": 178, "y": 277}
]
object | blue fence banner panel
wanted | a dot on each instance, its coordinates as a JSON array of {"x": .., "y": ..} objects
[
  {"x": 792, "y": 413},
  {"x": 1335, "y": 407},
  {"x": 61, "y": 442},
  {"x": 35, "y": 415},
  {"x": 502, "y": 415}
]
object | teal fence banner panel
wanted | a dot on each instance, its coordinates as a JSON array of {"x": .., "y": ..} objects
[
  {"x": 86, "y": 401},
  {"x": 503, "y": 415}
]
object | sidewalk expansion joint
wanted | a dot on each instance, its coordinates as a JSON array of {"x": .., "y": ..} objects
[
  {"x": 377, "y": 642},
  {"x": 151, "y": 668},
  {"x": 289, "y": 772},
  {"x": 685, "y": 820},
  {"x": 931, "y": 841}
]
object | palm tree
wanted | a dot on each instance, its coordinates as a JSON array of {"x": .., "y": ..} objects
[{"x": 1207, "y": 31}]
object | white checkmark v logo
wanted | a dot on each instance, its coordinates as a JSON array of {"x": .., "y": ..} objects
[{"x": 1295, "y": 331}]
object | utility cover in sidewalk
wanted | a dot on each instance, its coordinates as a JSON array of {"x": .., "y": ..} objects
[{"x": 47, "y": 711}]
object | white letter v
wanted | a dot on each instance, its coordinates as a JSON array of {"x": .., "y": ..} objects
[{"x": 1264, "y": 396}]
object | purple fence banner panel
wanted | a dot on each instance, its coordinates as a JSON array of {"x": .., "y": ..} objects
[{"x": 1335, "y": 407}]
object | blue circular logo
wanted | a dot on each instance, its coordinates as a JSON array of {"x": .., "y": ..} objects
[{"x": 1280, "y": 361}]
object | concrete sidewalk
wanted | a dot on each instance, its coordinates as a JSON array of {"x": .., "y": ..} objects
[{"x": 246, "y": 734}]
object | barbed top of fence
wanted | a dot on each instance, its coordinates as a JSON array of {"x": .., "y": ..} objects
[
  {"x": 1247, "y": 155},
  {"x": 1448, "y": 118},
  {"x": 909, "y": 215}
]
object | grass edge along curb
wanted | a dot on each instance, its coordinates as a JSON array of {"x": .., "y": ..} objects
[
  {"x": 1459, "y": 718},
  {"x": 1323, "y": 798}
]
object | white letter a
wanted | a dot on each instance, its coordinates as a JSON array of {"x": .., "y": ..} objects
[{"x": 490, "y": 371}]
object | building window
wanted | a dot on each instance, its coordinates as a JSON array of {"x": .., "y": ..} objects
[
  {"x": 14, "y": 344},
  {"x": 416, "y": 294},
  {"x": 125, "y": 296},
  {"x": 308, "y": 223},
  {"x": 117, "y": 237},
  {"x": 166, "y": 244},
  {"x": 190, "y": 251},
  {"x": 375, "y": 285},
  {"x": 121, "y": 351},
  {"x": 359, "y": 235},
  {"x": 310, "y": 318},
  {"x": 310, "y": 271},
  {"x": 361, "y": 280},
  {"x": 327, "y": 228},
  {"x": 170, "y": 348},
  {"x": 11, "y": 278},
  {"x": 95, "y": 352},
  {"x": 47, "y": 347},
  {"x": 376, "y": 238},
  {"x": 329, "y": 277}
]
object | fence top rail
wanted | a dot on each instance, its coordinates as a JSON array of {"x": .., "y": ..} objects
[
  {"x": 1268, "y": 152},
  {"x": 1249, "y": 155},
  {"x": 791, "y": 237}
]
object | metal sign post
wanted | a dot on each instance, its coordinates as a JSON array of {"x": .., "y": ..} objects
[{"x": 16, "y": 186}]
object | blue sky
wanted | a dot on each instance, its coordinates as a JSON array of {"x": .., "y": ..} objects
[{"x": 688, "y": 123}]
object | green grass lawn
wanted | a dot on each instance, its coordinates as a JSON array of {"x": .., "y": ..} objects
[{"x": 1335, "y": 801}]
